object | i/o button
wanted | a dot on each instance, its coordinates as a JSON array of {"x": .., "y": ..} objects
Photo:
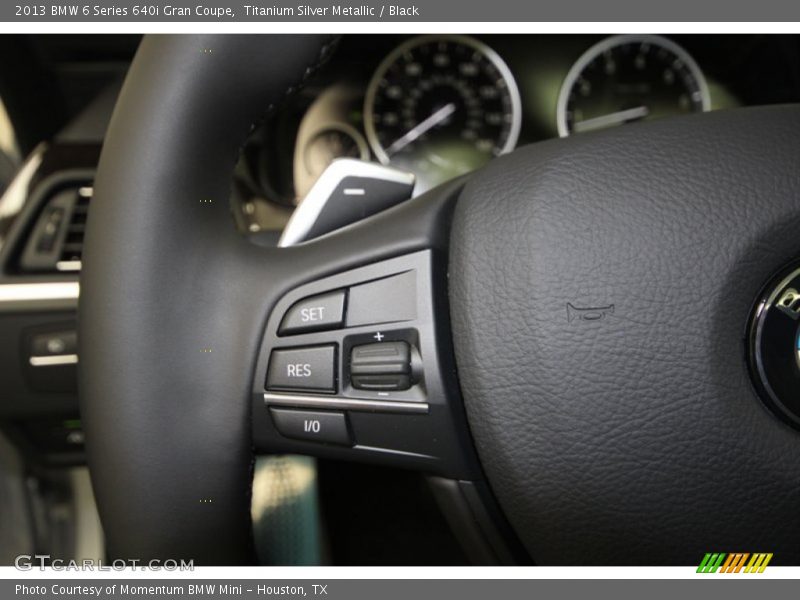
[{"x": 315, "y": 426}]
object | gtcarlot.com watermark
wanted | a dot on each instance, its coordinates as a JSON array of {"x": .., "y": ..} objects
[{"x": 29, "y": 562}]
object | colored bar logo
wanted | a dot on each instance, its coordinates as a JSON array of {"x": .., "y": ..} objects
[{"x": 735, "y": 562}]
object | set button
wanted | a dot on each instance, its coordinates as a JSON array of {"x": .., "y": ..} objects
[
  {"x": 388, "y": 300},
  {"x": 317, "y": 313}
]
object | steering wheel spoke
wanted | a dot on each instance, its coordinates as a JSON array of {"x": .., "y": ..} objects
[{"x": 358, "y": 365}]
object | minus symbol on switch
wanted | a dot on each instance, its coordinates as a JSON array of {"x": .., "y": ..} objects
[{"x": 354, "y": 191}]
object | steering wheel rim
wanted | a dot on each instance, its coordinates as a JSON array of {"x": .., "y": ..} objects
[{"x": 163, "y": 188}]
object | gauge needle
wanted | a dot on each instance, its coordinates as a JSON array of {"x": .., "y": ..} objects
[
  {"x": 411, "y": 135},
  {"x": 615, "y": 118}
]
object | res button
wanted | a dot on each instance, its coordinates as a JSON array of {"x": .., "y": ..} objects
[
  {"x": 316, "y": 313},
  {"x": 303, "y": 369},
  {"x": 327, "y": 427}
]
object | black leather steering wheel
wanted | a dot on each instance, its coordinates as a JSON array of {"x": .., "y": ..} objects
[{"x": 589, "y": 299}]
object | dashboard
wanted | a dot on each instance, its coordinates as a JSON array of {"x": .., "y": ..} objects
[{"x": 440, "y": 106}]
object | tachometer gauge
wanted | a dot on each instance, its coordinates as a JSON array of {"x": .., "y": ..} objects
[
  {"x": 440, "y": 106},
  {"x": 628, "y": 78}
]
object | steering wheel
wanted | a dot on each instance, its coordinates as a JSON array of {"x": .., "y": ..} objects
[{"x": 576, "y": 326}]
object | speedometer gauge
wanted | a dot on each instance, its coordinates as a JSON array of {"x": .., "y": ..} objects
[
  {"x": 628, "y": 78},
  {"x": 440, "y": 106}
]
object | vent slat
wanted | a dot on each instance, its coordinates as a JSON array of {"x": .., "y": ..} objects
[
  {"x": 55, "y": 241},
  {"x": 72, "y": 250}
]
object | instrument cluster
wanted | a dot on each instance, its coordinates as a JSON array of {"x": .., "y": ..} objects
[{"x": 440, "y": 106}]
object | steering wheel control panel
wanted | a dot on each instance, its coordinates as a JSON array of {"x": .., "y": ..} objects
[{"x": 353, "y": 366}]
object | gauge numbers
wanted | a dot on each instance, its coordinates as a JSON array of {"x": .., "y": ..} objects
[
  {"x": 629, "y": 78},
  {"x": 441, "y": 106}
]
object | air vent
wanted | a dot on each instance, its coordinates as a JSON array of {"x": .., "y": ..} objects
[
  {"x": 71, "y": 250},
  {"x": 56, "y": 241}
]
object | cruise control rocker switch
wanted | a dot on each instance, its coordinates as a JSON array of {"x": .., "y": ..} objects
[{"x": 383, "y": 367}]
